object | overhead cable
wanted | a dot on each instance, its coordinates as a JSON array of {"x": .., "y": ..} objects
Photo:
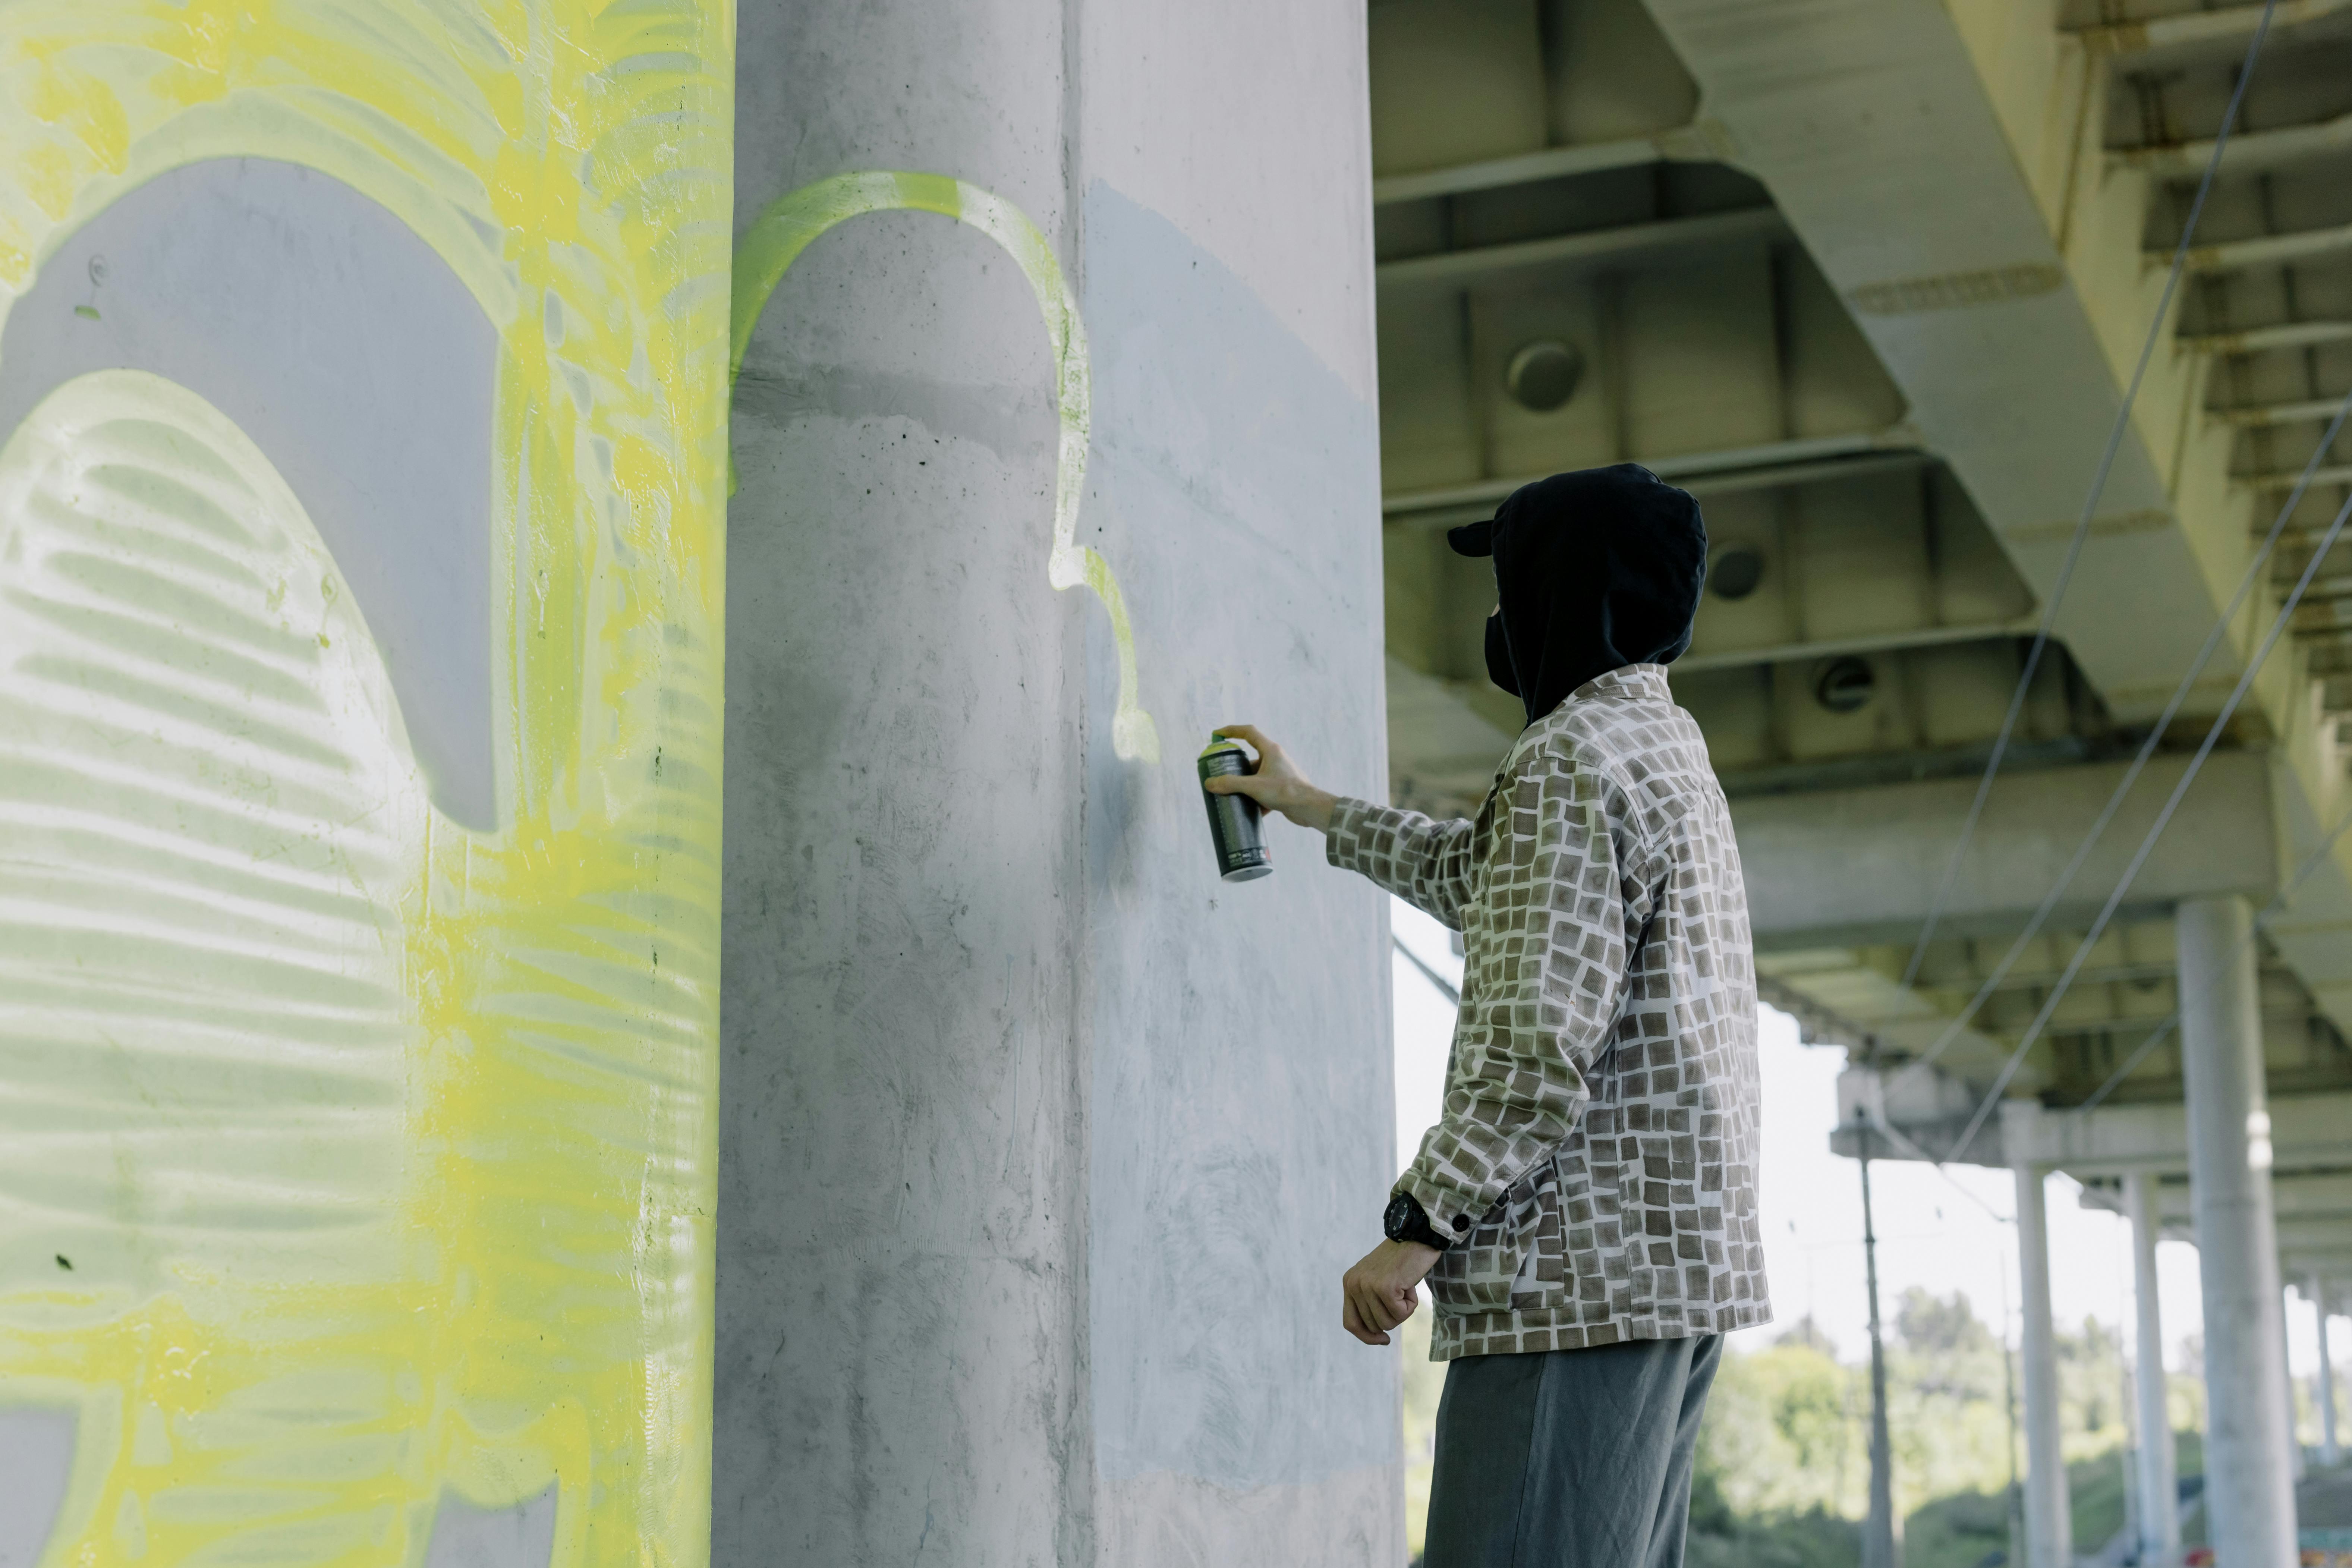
[
  {"x": 1879, "y": 1124},
  {"x": 2255, "y": 568},
  {"x": 2156, "y": 1037},
  {"x": 2163, "y": 1031},
  {"x": 1446, "y": 987},
  {"x": 2090, "y": 502},
  {"x": 2155, "y": 831}
]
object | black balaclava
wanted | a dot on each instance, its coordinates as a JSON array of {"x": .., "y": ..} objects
[{"x": 1594, "y": 570}]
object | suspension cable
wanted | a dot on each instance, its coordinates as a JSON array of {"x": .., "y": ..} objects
[
  {"x": 2089, "y": 503},
  {"x": 2163, "y": 1031},
  {"x": 1445, "y": 988},
  {"x": 2156, "y": 830},
  {"x": 2147, "y": 748}
]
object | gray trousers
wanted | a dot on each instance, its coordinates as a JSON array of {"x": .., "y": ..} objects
[{"x": 1569, "y": 1458}]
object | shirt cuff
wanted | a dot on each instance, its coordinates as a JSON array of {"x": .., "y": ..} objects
[{"x": 1447, "y": 1216}]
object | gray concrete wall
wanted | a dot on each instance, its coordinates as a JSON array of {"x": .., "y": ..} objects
[{"x": 1043, "y": 1150}]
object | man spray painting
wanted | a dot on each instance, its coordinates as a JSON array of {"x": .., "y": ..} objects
[{"x": 1585, "y": 1210}]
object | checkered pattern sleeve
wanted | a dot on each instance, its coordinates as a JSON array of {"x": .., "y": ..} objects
[
  {"x": 1425, "y": 863},
  {"x": 1542, "y": 1004}
]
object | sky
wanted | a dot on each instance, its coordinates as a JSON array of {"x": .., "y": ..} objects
[{"x": 1944, "y": 1231}]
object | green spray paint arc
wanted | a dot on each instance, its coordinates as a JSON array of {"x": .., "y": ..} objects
[{"x": 787, "y": 227}]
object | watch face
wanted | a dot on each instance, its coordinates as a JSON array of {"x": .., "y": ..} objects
[{"x": 1399, "y": 1216}]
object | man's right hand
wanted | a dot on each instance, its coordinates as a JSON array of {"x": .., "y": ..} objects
[{"x": 1277, "y": 784}]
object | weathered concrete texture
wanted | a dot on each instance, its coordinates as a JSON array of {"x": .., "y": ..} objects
[
  {"x": 1240, "y": 1042},
  {"x": 1043, "y": 1150},
  {"x": 1340, "y": 1521},
  {"x": 1241, "y": 1050},
  {"x": 900, "y": 1281}
]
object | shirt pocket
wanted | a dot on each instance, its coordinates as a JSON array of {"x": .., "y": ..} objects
[
  {"x": 1478, "y": 1273},
  {"x": 1546, "y": 1269}
]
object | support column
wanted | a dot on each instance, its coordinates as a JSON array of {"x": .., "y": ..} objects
[
  {"x": 2325, "y": 1390},
  {"x": 2159, "y": 1521},
  {"x": 2249, "y": 1490},
  {"x": 962, "y": 1314},
  {"x": 2293, "y": 1438},
  {"x": 2049, "y": 1523}
]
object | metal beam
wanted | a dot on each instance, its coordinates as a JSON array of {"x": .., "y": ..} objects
[
  {"x": 2247, "y": 150},
  {"x": 2337, "y": 474},
  {"x": 2270, "y": 249},
  {"x": 2228, "y": 25},
  {"x": 2263, "y": 340},
  {"x": 2306, "y": 1132},
  {"x": 2294, "y": 1195},
  {"x": 1769, "y": 466},
  {"x": 2308, "y": 1236},
  {"x": 1597, "y": 246},
  {"x": 2277, "y": 413},
  {"x": 1686, "y": 144},
  {"x": 1839, "y": 866},
  {"x": 1927, "y": 189},
  {"x": 2021, "y": 978},
  {"x": 1837, "y": 647}
]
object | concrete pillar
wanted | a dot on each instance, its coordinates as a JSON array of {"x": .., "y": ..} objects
[
  {"x": 2159, "y": 1521},
  {"x": 2325, "y": 1390},
  {"x": 996, "y": 1040},
  {"x": 2249, "y": 1484},
  {"x": 2049, "y": 1522},
  {"x": 2294, "y": 1433}
]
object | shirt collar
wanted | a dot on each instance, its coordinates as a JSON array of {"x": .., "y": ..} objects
[{"x": 1641, "y": 682}]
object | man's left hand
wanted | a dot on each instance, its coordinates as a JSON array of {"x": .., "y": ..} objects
[{"x": 1382, "y": 1289}]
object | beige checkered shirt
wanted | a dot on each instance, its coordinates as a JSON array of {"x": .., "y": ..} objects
[{"x": 1596, "y": 1156}]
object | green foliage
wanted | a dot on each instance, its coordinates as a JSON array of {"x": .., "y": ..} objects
[
  {"x": 1781, "y": 1435},
  {"x": 1425, "y": 1382},
  {"x": 1784, "y": 1456},
  {"x": 1813, "y": 1538},
  {"x": 1783, "y": 1470},
  {"x": 1929, "y": 1325},
  {"x": 1957, "y": 1532}
]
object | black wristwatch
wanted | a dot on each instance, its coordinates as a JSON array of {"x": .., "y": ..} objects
[{"x": 1406, "y": 1220}]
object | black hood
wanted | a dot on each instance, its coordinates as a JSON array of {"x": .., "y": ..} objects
[{"x": 1594, "y": 570}]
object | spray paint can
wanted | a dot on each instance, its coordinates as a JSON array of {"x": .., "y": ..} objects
[{"x": 1234, "y": 819}]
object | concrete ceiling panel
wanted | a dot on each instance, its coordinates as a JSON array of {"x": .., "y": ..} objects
[
  {"x": 1455, "y": 82},
  {"x": 1870, "y": 126}
]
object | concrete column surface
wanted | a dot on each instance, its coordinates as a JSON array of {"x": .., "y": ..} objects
[
  {"x": 2049, "y": 1522},
  {"x": 2159, "y": 1521},
  {"x": 2249, "y": 1471},
  {"x": 2330, "y": 1454},
  {"x": 1043, "y": 1151},
  {"x": 2293, "y": 1438}
]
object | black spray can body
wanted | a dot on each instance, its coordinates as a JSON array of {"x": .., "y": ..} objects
[{"x": 1234, "y": 819}]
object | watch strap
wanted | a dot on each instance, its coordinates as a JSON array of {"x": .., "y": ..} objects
[{"x": 1413, "y": 1224}]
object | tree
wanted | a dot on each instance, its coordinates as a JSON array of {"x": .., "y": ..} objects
[{"x": 1929, "y": 1325}]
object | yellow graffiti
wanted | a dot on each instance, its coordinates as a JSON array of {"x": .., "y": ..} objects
[
  {"x": 350, "y": 1160},
  {"x": 793, "y": 222}
]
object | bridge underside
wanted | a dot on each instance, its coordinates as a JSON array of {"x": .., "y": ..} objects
[{"x": 1872, "y": 279}]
